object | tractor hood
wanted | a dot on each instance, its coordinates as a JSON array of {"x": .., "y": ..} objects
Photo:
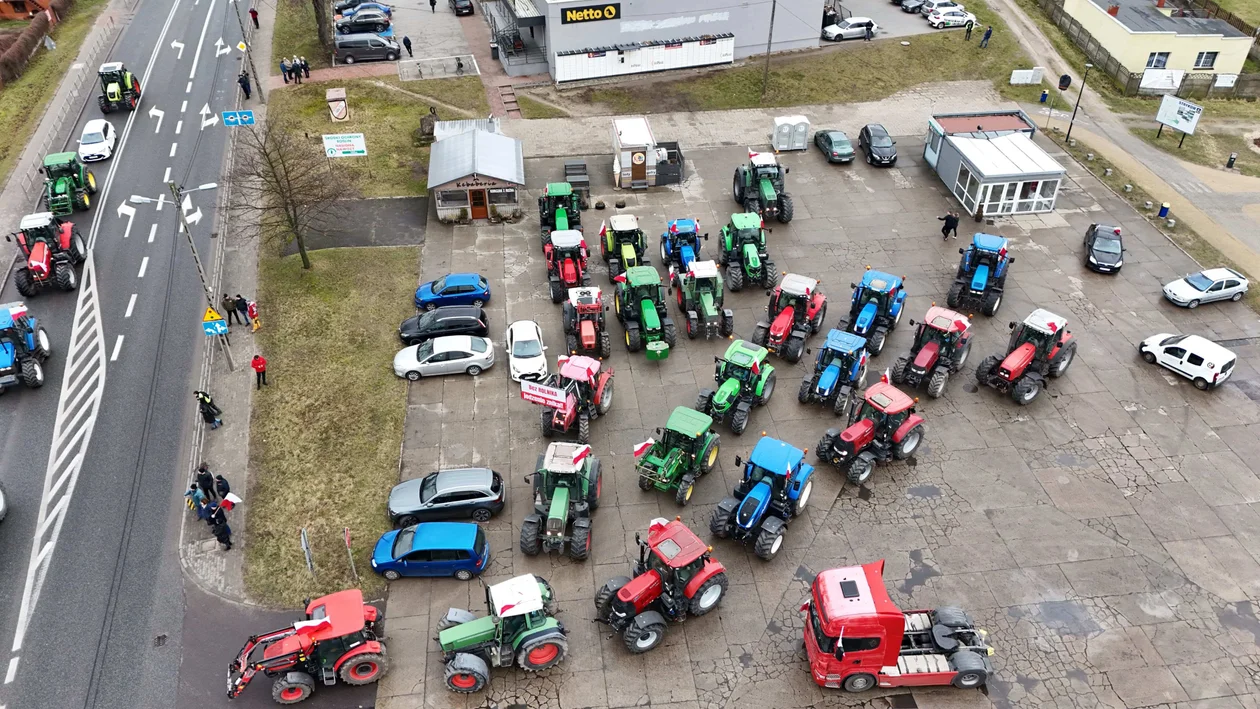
[
  {"x": 866, "y": 318},
  {"x": 1017, "y": 361},
  {"x": 782, "y": 324},
  {"x": 827, "y": 380},
  {"x": 858, "y": 436},
  {"x": 558, "y": 513},
  {"x": 686, "y": 254},
  {"x": 569, "y": 271},
  {"x": 61, "y": 186},
  {"x": 467, "y": 634},
  {"x": 629, "y": 257},
  {"x": 927, "y": 356},
  {"x": 586, "y": 335},
  {"x": 767, "y": 193},
  {"x": 113, "y": 91},
  {"x": 562, "y": 219},
  {"x": 753, "y": 506},
  {"x": 8, "y": 354},
  {"x": 751, "y": 258},
  {"x": 981, "y": 277},
  {"x": 648, "y": 318},
  {"x": 726, "y": 395},
  {"x": 37, "y": 262},
  {"x": 706, "y": 305}
]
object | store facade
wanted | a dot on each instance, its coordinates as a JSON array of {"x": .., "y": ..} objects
[{"x": 477, "y": 175}]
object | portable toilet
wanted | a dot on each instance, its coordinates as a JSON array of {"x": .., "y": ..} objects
[{"x": 790, "y": 133}]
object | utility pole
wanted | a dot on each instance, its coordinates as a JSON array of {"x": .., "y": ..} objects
[
  {"x": 765, "y": 75},
  {"x": 1084, "y": 79},
  {"x": 249, "y": 53}
]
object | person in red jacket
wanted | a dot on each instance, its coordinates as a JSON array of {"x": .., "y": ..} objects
[
  {"x": 260, "y": 369},
  {"x": 252, "y": 311}
]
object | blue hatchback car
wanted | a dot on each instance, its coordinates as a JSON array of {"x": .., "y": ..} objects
[
  {"x": 455, "y": 289},
  {"x": 456, "y": 549}
]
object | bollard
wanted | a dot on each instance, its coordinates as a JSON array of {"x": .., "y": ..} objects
[
  {"x": 1089, "y": 157},
  {"x": 1172, "y": 223},
  {"x": 1149, "y": 205},
  {"x": 1107, "y": 171},
  {"x": 1230, "y": 164},
  {"x": 1128, "y": 188},
  {"x": 1072, "y": 143}
]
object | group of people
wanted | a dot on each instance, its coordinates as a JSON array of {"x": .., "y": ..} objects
[
  {"x": 294, "y": 68},
  {"x": 210, "y": 497},
  {"x": 242, "y": 310}
]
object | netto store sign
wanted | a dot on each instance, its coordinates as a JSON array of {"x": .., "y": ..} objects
[{"x": 590, "y": 13}]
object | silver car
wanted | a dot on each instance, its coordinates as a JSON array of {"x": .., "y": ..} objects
[
  {"x": 1206, "y": 286},
  {"x": 452, "y": 354},
  {"x": 852, "y": 28}
]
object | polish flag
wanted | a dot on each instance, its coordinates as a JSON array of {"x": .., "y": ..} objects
[
  {"x": 1054, "y": 327},
  {"x": 603, "y": 228},
  {"x": 619, "y": 278},
  {"x": 561, "y": 360},
  {"x": 580, "y": 454},
  {"x": 886, "y": 377},
  {"x": 752, "y": 154},
  {"x": 310, "y": 627},
  {"x": 643, "y": 447},
  {"x": 673, "y": 227},
  {"x": 756, "y": 368}
]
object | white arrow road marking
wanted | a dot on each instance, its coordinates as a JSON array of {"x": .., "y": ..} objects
[
  {"x": 131, "y": 304},
  {"x": 144, "y": 266},
  {"x": 187, "y": 204},
  {"x": 176, "y": 44},
  {"x": 117, "y": 348},
  {"x": 130, "y": 211},
  {"x": 219, "y": 49},
  {"x": 194, "y": 217},
  {"x": 207, "y": 122},
  {"x": 201, "y": 41},
  {"x": 155, "y": 112}
]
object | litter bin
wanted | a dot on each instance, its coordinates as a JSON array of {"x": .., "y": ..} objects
[
  {"x": 494, "y": 51},
  {"x": 1163, "y": 210},
  {"x": 1044, "y": 95},
  {"x": 1233, "y": 157}
]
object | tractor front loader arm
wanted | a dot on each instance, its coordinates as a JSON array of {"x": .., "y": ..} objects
[{"x": 241, "y": 672}]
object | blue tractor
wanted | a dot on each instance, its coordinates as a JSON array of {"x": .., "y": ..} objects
[
  {"x": 680, "y": 244},
  {"x": 774, "y": 489},
  {"x": 981, "y": 278},
  {"x": 839, "y": 372},
  {"x": 24, "y": 346},
  {"x": 878, "y": 302}
]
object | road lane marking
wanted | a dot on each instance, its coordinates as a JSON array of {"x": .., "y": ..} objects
[
  {"x": 161, "y": 199},
  {"x": 131, "y": 304},
  {"x": 178, "y": 127},
  {"x": 166, "y": 176},
  {"x": 117, "y": 348},
  {"x": 173, "y": 147},
  {"x": 188, "y": 88},
  {"x": 8, "y": 676},
  {"x": 144, "y": 265},
  {"x": 152, "y": 232},
  {"x": 183, "y": 107},
  {"x": 130, "y": 212},
  {"x": 155, "y": 112},
  {"x": 200, "y": 43}
]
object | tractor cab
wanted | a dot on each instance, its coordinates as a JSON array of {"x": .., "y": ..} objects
[
  {"x": 886, "y": 407},
  {"x": 685, "y": 431},
  {"x": 942, "y": 326},
  {"x": 740, "y": 364},
  {"x": 622, "y": 243},
  {"x": 842, "y": 353},
  {"x": 774, "y": 463},
  {"x": 745, "y": 228},
  {"x": 559, "y": 209},
  {"x": 583, "y": 318},
  {"x": 1042, "y": 329},
  {"x": 565, "y": 253},
  {"x": 680, "y": 244},
  {"x": 796, "y": 292},
  {"x": 766, "y": 168},
  {"x": 557, "y": 468},
  {"x": 41, "y": 226},
  {"x": 578, "y": 376},
  {"x": 567, "y": 244},
  {"x": 876, "y": 309},
  {"x": 986, "y": 258},
  {"x": 676, "y": 554},
  {"x": 706, "y": 278},
  {"x": 644, "y": 283}
]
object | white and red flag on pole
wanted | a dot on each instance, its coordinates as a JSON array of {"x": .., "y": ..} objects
[
  {"x": 580, "y": 454},
  {"x": 643, "y": 447},
  {"x": 310, "y": 627},
  {"x": 885, "y": 377},
  {"x": 756, "y": 368}
]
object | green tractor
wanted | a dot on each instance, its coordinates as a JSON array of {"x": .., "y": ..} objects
[
  {"x": 622, "y": 243},
  {"x": 700, "y": 297},
  {"x": 687, "y": 450},
  {"x": 640, "y": 305},
  {"x": 520, "y": 628},
  {"x": 567, "y": 484},
  {"x": 758, "y": 187},
  {"x": 119, "y": 88},
  {"x": 744, "y": 379},
  {"x": 558, "y": 210},
  {"x": 742, "y": 249},
  {"x": 68, "y": 184}
]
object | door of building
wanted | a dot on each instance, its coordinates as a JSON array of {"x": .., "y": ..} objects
[
  {"x": 638, "y": 166},
  {"x": 477, "y": 198}
]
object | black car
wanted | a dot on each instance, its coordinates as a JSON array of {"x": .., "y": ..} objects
[
  {"x": 880, "y": 149},
  {"x": 835, "y": 145},
  {"x": 446, "y": 320},
  {"x": 363, "y": 21},
  {"x": 341, "y": 6},
  {"x": 912, "y": 5},
  {"x": 1104, "y": 249},
  {"x": 462, "y": 7},
  {"x": 447, "y": 494}
]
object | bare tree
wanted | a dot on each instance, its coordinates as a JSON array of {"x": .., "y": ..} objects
[{"x": 284, "y": 186}]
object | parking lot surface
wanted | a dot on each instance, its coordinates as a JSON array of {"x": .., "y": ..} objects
[
  {"x": 892, "y": 21},
  {"x": 1105, "y": 535}
]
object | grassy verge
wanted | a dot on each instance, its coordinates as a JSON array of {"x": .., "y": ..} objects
[
  {"x": 1205, "y": 147},
  {"x": 1248, "y": 10},
  {"x": 395, "y": 165},
  {"x": 296, "y": 33},
  {"x": 326, "y": 433},
  {"x": 858, "y": 72},
  {"x": 22, "y": 101},
  {"x": 531, "y": 108},
  {"x": 466, "y": 92}
]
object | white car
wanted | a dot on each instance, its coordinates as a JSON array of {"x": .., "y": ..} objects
[
  {"x": 931, "y": 7},
  {"x": 97, "y": 141},
  {"x": 953, "y": 17},
  {"x": 527, "y": 357},
  {"x": 451, "y": 354},
  {"x": 1202, "y": 361},
  {"x": 852, "y": 28},
  {"x": 1206, "y": 286}
]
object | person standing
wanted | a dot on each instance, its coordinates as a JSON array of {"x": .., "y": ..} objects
[
  {"x": 252, "y": 311},
  {"x": 253, "y": 15},
  {"x": 296, "y": 67},
  {"x": 194, "y": 497},
  {"x": 968, "y": 37},
  {"x": 407, "y": 45},
  {"x": 205, "y": 511},
  {"x": 210, "y": 412},
  {"x": 260, "y": 370},
  {"x": 242, "y": 308},
  {"x": 243, "y": 80},
  {"x": 306, "y": 68},
  {"x": 229, "y": 309},
  {"x": 951, "y": 224},
  {"x": 869, "y": 33},
  {"x": 223, "y": 534},
  {"x": 284, "y": 69},
  {"x": 205, "y": 481},
  {"x": 984, "y": 41},
  {"x": 221, "y": 486},
  {"x": 433, "y": 5}
]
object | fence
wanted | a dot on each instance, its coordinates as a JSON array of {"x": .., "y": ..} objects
[{"x": 439, "y": 68}]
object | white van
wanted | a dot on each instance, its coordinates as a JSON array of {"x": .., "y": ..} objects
[{"x": 1202, "y": 361}]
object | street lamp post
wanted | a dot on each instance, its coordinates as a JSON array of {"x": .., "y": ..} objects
[{"x": 1084, "y": 79}]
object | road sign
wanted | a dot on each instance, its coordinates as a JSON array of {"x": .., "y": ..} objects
[
  {"x": 240, "y": 46},
  {"x": 345, "y": 145},
  {"x": 211, "y": 315},
  {"x": 214, "y": 327},
  {"x": 238, "y": 118}
]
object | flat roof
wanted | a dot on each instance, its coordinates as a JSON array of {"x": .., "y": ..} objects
[
  {"x": 997, "y": 121},
  {"x": 633, "y": 131},
  {"x": 1010, "y": 155},
  {"x": 476, "y": 152},
  {"x": 1143, "y": 16}
]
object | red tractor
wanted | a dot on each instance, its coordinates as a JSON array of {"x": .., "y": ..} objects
[
  {"x": 882, "y": 426},
  {"x": 585, "y": 331},
  {"x": 674, "y": 577},
  {"x": 581, "y": 391},
  {"x": 797, "y": 310},
  {"x": 1041, "y": 346},
  {"x": 566, "y": 263},
  {"x": 941, "y": 345},
  {"x": 52, "y": 248},
  {"x": 338, "y": 639}
]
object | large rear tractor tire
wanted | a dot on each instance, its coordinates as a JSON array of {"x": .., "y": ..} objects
[
  {"x": 542, "y": 652},
  {"x": 709, "y": 456},
  {"x": 936, "y": 384},
  {"x": 709, "y": 595},
  {"x": 529, "y": 538},
  {"x": 767, "y": 389},
  {"x": 605, "y": 399},
  {"x": 292, "y": 687},
  {"x": 466, "y": 674},
  {"x": 43, "y": 344},
  {"x": 32, "y": 374},
  {"x": 78, "y": 250},
  {"x": 1064, "y": 360},
  {"x": 909, "y": 443},
  {"x": 1026, "y": 390},
  {"x": 66, "y": 279},
  {"x": 364, "y": 669},
  {"x": 737, "y": 186},
  {"x": 786, "y": 209}
]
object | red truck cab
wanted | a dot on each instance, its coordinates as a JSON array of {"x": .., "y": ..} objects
[{"x": 857, "y": 638}]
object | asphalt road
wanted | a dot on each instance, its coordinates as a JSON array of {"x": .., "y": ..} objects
[{"x": 108, "y": 626}]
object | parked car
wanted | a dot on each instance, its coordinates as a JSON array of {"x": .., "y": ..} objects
[
  {"x": 386, "y": 9},
  {"x": 351, "y": 48},
  {"x": 934, "y": 6},
  {"x": 527, "y": 355},
  {"x": 835, "y": 145},
  {"x": 455, "y": 289},
  {"x": 447, "y": 494},
  {"x": 341, "y": 7},
  {"x": 446, "y": 320},
  {"x": 1206, "y": 286},
  {"x": 1104, "y": 248},
  {"x": 461, "y": 7},
  {"x": 1200, "y": 360},
  {"x": 952, "y": 17},
  {"x": 915, "y": 6},
  {"x": 366, "y": 21},
  {"x": 852, "y": 28},
  {"x": 458, "y": 549},
  {"x": 445, "y": 355},
  {"x": 880, "y": 149},
  {"x": 97, "y": 141}
]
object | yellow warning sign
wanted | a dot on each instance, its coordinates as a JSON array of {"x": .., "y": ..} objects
[{"x": 211, "y": 315}]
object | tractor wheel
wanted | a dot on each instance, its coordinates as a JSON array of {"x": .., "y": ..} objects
[
  {"x": 584, "y": 429},
  {"x": 595, "y": 486},
  {"x": 90, "y": 183},
  {"x": 32, "y": 373},
  {"x": 824, "y": 446},
  {"x": 78, "y": 250},
  {"x": 988, "y": 365},
  {"x": 726, "y": 325},
  {"x": 639, "y": 640},
  {"x": 859, "y": 682},
  {"x": 606, "y": 399},
  {"x": 936, "y": 383},
  {"x": 580, "y": 543},
  {"x": 614, "y": 269},
  {"x": 292, "y": 687},
  {"x": 785, "y": 209},
  {"x": 704, "y": 401},
  {"x": 767, "y": 390},
  {"x": 909, "y": 444},
  {"x": 81, "y": 201},
  {"x": 970, "y": 668},
  {"x": 737, "y": 186},
  {"x": 634, "y": 339},
  {"x": 735, "y": 277},
  {"x": 720, "y": 524},
  {"x": 803, "y": 499},
  {"x": 542, "y": 652},
  {"x": 364, "y": 669},
  {"x": 841, "y": 404},
  {"x": 860, "y": 470},
  {"x": 961, "y": 359},
  {"x": 793, "y": 348},
  {"x": 752, "y": 204},
  {"x": 1025, "y": 390},
  {"x": 760, "y": 335},
  {"x": 671, "y": 333},
  {"x": 529, "y": 538},
  {"x": 769, "y": 274},
  {"x": 709, "y": 456},
  {"x": 103, "y": 103},
  {"x": 899, "y": 370},
  {"x": 568, "y": 317},
  {"x": 875, "y": 343},
  {"x": 768, "y": 543},
  {"x": 557, "y": 291},
  {"x": 605, "y": 345},
  {"x": 739, "y": 421},
  {"x": 992, "y": 302},
  {"x": 693, "y": 324},
  {"x": 25, "y": 286},
  {"x": 466, "y": 674},
  {"x": 664, "y": 253},
  {"x": 645, "y": 483},
  {"x": 43, "y": 344},
  {"x": 408, "y": 521},
  {"x": 571, "y": 344},
  {"x": 709, "y": 595},
  {"x": 954, "y": 295},
  {"x": 66, "y": 279},
  {"x": 803, "y": 395},
  {"x": 686, "y": 486},
  {"x": 1061, "y": 363},
  {"x": 605, "y": 595},
  {"x": 816, "y": 323}
]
